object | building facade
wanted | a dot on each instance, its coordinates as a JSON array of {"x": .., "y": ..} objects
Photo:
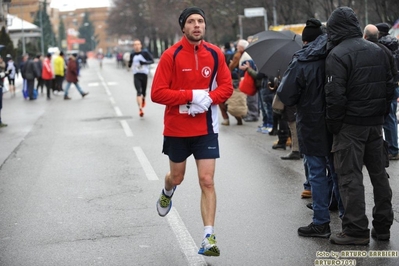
[
  {"x": 4, "y": 6},
  {"x": 27, "y": 9}
]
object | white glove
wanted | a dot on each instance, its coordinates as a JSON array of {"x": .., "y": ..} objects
[
  {"x": 201, "y": 98},
  {"x": 2, "y": 74},
  {"x": 196, "y": 109}
]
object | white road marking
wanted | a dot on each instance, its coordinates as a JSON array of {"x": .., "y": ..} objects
[
  {"x": 126, "y": 128},
  {"x": 117, "y": 111},
  {"x": 186, "y": 242},
  {"x": 145, "y": 164},
  {"x": 125, "y": 125},
  {"x": 93, "y": 84},
  {"x": 112, "y": 83},
  {"x": 105, "y": 85}
]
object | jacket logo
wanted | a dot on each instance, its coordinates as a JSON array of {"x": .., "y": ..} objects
[{"x": 206, "y": 72}]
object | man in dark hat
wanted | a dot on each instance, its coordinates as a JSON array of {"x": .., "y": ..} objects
[
  {"x": 303, "y": 86},
  {"x": 391, "y": 123},
  {"x": 358, "y": 91},
  {"x": 383, "y": 29},
  {"x": 311, "y": 31},
  {"x": 191, "y": 79}
]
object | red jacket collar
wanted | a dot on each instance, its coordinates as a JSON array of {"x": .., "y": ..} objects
[{"x": 189, "y": 46}]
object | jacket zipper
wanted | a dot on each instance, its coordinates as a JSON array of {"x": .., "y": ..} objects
[{"x": 196, "y": 57}]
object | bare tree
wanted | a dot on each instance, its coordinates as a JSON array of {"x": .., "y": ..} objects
[{"x": 156, "y": 21}]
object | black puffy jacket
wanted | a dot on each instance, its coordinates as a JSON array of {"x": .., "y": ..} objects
[
  {"x": 359, "y": 85},
  {"x": 303, "y": 85},
  {"x": 392, "y": 44}
]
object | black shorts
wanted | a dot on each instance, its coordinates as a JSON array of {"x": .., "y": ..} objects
[
  {"x": 140, "y": 83},
  {"x": 11, "y": 81},
  {"x": 202, "y": 147}
]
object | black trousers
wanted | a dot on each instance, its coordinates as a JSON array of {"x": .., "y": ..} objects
[
  {"x": 353, "y": 147},
  {"x": 283, "y": 131},
  {"x": 58, "y": 83},
  {"x": 30, "y": 83},
  {"x": 48, "y": 83},
  {"x": 1, "y": 97}
]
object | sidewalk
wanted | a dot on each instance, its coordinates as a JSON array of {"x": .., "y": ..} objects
[{"x": 20, "y": 115}]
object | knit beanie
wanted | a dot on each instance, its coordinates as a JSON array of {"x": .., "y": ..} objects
[
  {"x": 312, "y": 30},
  {"x": 188, "y": 12}
]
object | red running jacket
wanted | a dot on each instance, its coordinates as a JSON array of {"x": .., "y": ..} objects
[
  {"x": 47, "y": 71},
  {"x": 181, "y": 69}
]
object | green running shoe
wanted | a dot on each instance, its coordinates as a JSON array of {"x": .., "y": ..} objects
[
  {"x": 208, "y": 246},
  {"x": 164, "y": 203}
]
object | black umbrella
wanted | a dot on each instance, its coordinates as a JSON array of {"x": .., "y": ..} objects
[{"x": 272, "y": 51}]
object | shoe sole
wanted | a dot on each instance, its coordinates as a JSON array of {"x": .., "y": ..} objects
[
  {"x": 364, "y": 242},
  {"x": 327, "y": 235},
  {"x": 163, "y": 215},
  {"x": 212, "y": 252},
  {"x": 381, "y": 237},
  {"x": 279, "y": 148}
]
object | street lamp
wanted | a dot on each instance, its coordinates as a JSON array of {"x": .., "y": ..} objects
[
  {"x": 41, "y": 25},
  {"x": 22, "y": 26}
]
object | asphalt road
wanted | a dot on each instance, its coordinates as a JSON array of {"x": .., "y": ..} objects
[{"x": 79, "y": 180}]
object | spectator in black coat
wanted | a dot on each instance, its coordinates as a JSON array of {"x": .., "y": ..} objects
[{"x": 359, "y": 91}]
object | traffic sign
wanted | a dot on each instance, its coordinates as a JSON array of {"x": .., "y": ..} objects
[{"x": 254, "y": 12}]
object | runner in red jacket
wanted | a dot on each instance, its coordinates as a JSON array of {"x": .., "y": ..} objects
[
  {"x": 184, "y": 67},
  {"x": 191, "y": 79}
]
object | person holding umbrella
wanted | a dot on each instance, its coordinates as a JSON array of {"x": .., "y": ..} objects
[{"x": 303, "y": 85}]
